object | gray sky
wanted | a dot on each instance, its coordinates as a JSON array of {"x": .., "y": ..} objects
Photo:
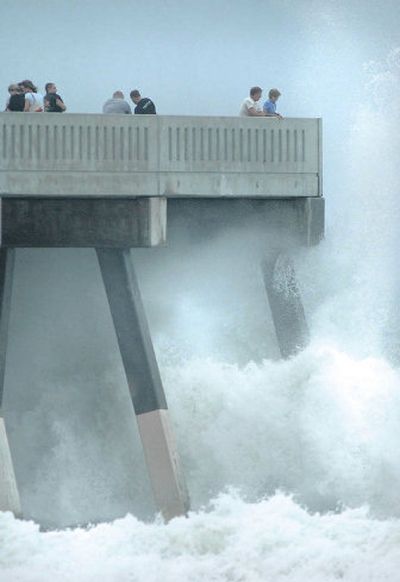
[
  {"x": 201, "y": 56},
  {"x": 197, "y": 57}
]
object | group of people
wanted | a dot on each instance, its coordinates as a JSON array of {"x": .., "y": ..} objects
[
  {"x": 24, "y": 96},
  {"x": 117, "y": 104},
  {"x": 251, "y": 105}
]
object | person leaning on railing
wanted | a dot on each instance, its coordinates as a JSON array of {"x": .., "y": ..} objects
[
  {"x": 269, "y": 107},
  {"x": 16, "y": 101},
  {"x": 52, "y": 101},
  {"x": 250, "y": 106},
  {"x": 144, "y": 105},
  {"x": 33, "y": 99}
]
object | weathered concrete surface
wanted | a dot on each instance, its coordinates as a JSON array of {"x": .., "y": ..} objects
[
  {"x": 9, "y": 497},
  {"x": 132, "y": 330},
  {"x": 83, "y": 222},
  {"x": 163, "y": 463},
  {"x": 144, "y": 381},
  {"x": 7, "y": 259},
  {"x": 294, "y": 221},
  {"x": 286, "y": 305},
  {"x": 111, "y": 155}
]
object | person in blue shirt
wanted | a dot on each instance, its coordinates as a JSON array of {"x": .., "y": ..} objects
[{"x": 269, "y": 107}]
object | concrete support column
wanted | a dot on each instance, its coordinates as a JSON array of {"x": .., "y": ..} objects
[
  {"x": 144, "y": 382},
  {"x": 311, "y": 220},
  {"x": 9, "y": 497},
  {"x": 285, "y": 303}
]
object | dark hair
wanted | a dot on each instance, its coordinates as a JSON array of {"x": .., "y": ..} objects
[
  {"x": 274, "y": 93},
  {"x": 47, "y": 86},
  {"x": 255, "y": 90},
  {"x": 134, "y": 93},
  {"x": 29, "y": 85}
]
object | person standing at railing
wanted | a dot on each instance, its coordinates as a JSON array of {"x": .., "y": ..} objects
[
  {"x": 269, "y": 107},
  {"x": 33, "y": 99},
  {"x": 251, "y": 106},
  {"x": 117, "y": 104},
  {"x": 144, "y": 105},
  {"x": 52, "y": 101},
  {"x": 16, "y": 101}
]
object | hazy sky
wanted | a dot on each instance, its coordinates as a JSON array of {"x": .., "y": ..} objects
[
  {"x": 198, "y": 57},
  {"x": 201, "y": 56}
]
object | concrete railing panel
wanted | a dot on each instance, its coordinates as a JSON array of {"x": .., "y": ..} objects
[
  {"x": 115, "y": 155},
  {"x": 93, "y": 143}
]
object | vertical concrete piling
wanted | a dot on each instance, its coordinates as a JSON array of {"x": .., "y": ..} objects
[
  {"x": 144, "y": 382},
  {"x": 285, "y": 303},
  {"x": 9, "y": 497}
]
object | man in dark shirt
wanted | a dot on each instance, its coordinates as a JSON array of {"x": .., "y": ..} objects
[
  {"x": 144, "y": 105},
  {"x": 53, "y": 102}
]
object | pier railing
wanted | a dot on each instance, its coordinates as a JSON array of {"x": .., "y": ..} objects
[{"x": 115, "y": 155}]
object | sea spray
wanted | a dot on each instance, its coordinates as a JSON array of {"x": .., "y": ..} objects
[{"x": 229, "y": 541}]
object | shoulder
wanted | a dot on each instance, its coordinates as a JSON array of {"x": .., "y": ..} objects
[
  {"x": 249, "y": 103},
  {"x": 269, "y": 106},
  {"x": 146, "y": 105}
]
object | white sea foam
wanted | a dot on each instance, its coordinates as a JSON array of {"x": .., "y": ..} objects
[
  {"x": 234, "y": 541},
  {"x": 322, "y": 426}
]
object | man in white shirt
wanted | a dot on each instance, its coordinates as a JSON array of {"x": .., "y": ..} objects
[{"x": 250, "y": 106}]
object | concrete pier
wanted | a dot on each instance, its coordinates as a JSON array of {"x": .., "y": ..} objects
[{"x": 109, "y": 182}]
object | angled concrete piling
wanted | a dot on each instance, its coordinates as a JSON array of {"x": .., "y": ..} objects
[
  {"x": 144, "y": 382},
  {"x": 286, "y": 305},
  {"x": 9, "y": 497}
]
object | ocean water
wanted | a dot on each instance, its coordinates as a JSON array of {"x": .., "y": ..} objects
[{"x": 292, "y": 466}]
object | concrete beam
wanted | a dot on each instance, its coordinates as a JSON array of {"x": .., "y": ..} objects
[
  {"x": 83, "y": 222},
  {"x": 292, "y": 221}
]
